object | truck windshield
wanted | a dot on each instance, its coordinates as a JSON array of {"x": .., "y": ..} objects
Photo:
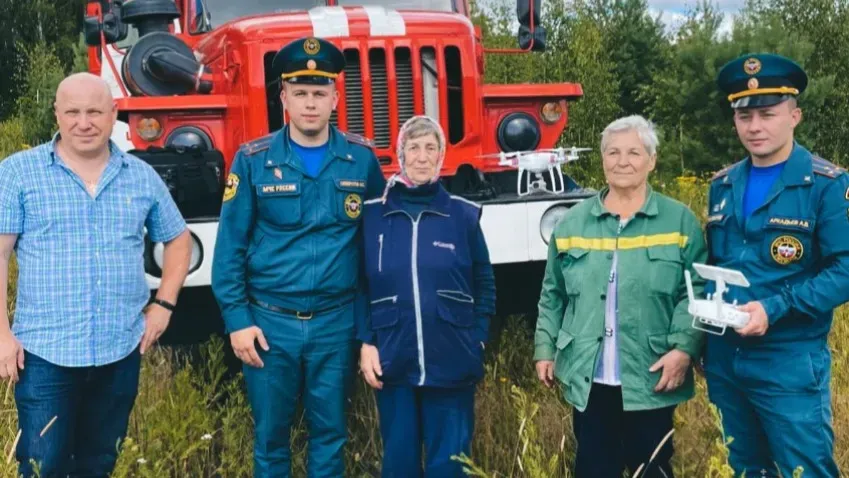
[
  {"x": 209, "y": 14},
  {"x": 432, "y": 5}
]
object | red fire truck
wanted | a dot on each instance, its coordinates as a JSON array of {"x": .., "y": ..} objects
[{"x": 192, "y": 79}]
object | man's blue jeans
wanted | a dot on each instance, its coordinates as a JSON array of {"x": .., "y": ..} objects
[{"x": 91, "y": 407}]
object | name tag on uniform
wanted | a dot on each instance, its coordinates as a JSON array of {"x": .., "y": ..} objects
[
  {"x": 356, "y": 184},
  {"x": 277, "y": 189},
  {"x": 790, "y": 223}
]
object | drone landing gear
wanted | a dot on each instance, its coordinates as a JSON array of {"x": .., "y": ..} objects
[{"x": 538, "y": 183}]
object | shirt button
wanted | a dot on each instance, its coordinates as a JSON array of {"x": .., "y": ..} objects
[
  {"x": 587, "y": 379},
  {"x": 600, "y": 339},
  {"x": 610, "y": 255},
  {"x": 603, "y": 296}
]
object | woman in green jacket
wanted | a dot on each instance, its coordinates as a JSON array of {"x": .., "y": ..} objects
[{"x": 613, "y": 326}]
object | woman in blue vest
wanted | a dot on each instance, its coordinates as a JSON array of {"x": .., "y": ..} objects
[{"x": 432, "y": 292}]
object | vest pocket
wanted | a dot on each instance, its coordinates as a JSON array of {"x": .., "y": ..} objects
[
  {"x": 451, "y": 347},
  {"x": 456, "y": 307}
]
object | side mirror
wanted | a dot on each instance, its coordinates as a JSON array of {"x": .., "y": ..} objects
[
  {"x": 114, "y": 30},
  {"x": 531, "y": 32}
]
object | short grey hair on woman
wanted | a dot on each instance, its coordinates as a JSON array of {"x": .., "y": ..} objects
[{"x": 643, "y": 127}]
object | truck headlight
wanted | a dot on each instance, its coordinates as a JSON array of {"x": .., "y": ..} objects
[
  {"x": 549, "y": 220},
  {"x": 551, "y": 112},
  {"x": 188, "y": 138},
  {"x": 157, "y": 253},
  {"x": 518, "y": 132}
]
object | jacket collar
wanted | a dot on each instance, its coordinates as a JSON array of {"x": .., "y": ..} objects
[
  {"x": 798, "y": 169},
  {"x": 440, "y": 205},
  {"x": 280, "y": 150},
  {"x": 649, "y": 207}
]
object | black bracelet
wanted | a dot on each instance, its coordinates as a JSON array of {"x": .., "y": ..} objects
[{"x": 165, "y": 304}]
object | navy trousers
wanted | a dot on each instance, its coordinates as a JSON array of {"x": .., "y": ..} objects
[
  {"x": 72, "y": 419},
  {"x": 776, "y": 406},
  {"x": 438, "y": 420},
  {"x": 310, "y": 360},
  {"x": 611, "y": 439}
]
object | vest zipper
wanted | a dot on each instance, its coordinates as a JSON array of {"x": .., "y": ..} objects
[
  {"x": 417, "y": 298},
  {"x": 380, "y": 254}
]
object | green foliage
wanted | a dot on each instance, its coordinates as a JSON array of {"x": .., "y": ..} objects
[
  {"x": 11, "y": 137},
  {"x": 35, "y": 106},
  {"x": 24, "y": 24}
]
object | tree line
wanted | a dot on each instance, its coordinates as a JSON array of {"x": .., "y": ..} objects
[{"x": 628, "y": 62}]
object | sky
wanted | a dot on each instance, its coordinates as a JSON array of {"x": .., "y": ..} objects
[{"x": 673, "y": 12}]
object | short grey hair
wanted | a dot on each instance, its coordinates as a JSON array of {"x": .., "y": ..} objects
[{"x": 643, "y": 127}]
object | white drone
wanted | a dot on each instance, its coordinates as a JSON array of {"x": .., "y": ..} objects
[
  {"x": 713, "y": 312},
  {"x": 538, "y": 163}
]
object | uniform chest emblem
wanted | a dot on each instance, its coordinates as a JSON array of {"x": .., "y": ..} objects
[
  {"x": 353, "y": 205},
  {"x": 231, "y": 187},
  {"x": 786, "y": 249},
  {"x": 278, "y": 174}
]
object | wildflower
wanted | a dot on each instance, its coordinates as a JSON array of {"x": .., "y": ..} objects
[
  {"x": 141, "y": 461},
  {"x": 207, "y": 436},
  {"x": 503, "y": 379}
]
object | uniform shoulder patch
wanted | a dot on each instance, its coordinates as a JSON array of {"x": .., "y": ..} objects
[
  {"x": 826, "y": 168},
  {"x": 260, "y": 144},
  {"x": 357, "y": 139}
]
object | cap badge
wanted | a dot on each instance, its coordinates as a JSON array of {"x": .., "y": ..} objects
[
  {"x": 752, "y": 66},
  {"x": 753, "y": 83},
  {"x": 311, "y": 46},
  {"x": 311, "y": 64}
]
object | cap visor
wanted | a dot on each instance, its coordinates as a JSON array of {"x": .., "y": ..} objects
[{"x": 759, "y": 101}]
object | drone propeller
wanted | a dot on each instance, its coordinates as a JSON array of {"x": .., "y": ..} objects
[
  {"x": 502, "y": 154},
  {"x": 572, "y": 151}
]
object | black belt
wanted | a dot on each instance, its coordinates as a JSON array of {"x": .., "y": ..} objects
[{"x": 302, "y": 315}]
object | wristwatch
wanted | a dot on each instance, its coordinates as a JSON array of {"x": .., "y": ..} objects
[{"x": 164, "y": 303}]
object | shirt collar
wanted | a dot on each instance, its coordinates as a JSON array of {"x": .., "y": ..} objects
[
  {"x": 649, "y": 207},
  {"x": 115, "y": 153}
]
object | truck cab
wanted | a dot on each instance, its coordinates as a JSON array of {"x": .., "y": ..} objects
[{"x": 193, "y": 82}]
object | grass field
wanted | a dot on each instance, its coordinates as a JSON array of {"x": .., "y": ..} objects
[{"x": 190, "y": 420}]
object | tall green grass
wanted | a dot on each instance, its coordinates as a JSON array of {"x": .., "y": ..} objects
[{"x": 192, "y": 420}]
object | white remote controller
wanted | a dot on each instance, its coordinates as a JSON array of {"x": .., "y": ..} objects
[{"x": 713, "y": 311}]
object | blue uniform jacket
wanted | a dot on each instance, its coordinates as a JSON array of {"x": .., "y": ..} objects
[
  {"x": 289, "y": 239},
  {"x": 794, "y": 249},
  {"x": 429, "y": 315}
]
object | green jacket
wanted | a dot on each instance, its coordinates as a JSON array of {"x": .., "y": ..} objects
[{"x": 654, "y": 248}]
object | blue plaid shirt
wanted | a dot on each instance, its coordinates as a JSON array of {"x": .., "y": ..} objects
[{"x": 81, "y": 283}]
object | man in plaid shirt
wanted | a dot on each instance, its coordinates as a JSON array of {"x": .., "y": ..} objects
[{"x": 75, "y": 210}]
